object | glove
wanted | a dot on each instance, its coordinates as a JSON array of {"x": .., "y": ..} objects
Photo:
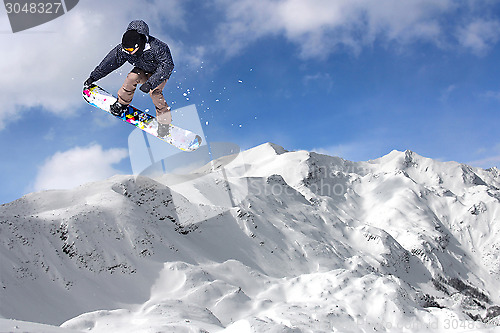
[
  {"x": 88, "y": 83},
  {"x": 145, "y": 88}
]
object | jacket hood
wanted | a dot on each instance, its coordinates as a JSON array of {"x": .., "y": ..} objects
[{"x": 140, "y": 26}]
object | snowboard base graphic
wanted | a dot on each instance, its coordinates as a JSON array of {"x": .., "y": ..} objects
[{"x": 178, "y": 137}]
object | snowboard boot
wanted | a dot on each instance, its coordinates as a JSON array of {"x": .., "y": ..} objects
[
  {"x": 163, "y": 130},
  {"x": 118, "y": 109}
]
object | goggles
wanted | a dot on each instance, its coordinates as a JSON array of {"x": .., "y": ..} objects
[{"x": 130, "y": 49}]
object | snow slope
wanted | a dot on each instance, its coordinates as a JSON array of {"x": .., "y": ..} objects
[{"x": 265, "y": 241}]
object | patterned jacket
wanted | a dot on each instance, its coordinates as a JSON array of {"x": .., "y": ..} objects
[{"x": 155, "y": 58}]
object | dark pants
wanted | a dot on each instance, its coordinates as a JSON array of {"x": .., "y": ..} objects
[{"x": 138, "y": 76}]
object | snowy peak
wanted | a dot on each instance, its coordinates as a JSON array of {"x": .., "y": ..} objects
[
  {"x": 452, "y": 175},
  {"x": 264, "y": 151},
  {"x": 278, "y": 150},
  {"x": 259, "y": 241}
]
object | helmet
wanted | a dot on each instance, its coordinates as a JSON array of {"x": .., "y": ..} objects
[{"x": 133, "y": 40}]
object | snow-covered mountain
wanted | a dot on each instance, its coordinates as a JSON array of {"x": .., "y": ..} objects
[{"x": 263, "y": 241}]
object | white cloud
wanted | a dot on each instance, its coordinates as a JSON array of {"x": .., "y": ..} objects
[
  {"x": 494, "y": 95},
  {"x": 65, "y": 170},
  {"x": 487, "y": 162},
  {"x": 446, "y": 93},
  {"x": 318, "y": 81},
  {"x": 46, "y": 66},
  {"x": 354, "y": 151},
  {"x": 320, "y": 27},
  {"x": 490, "y": 157},
  {"x": 480, "y": 35}
]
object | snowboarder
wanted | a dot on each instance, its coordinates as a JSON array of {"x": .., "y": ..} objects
[{"x": 153, "y": 66}]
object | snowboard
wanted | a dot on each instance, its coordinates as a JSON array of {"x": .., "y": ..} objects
[{"x": 178, "y": 137}]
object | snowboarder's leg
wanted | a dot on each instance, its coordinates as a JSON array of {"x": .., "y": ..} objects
[
  {"x": 126, "y": 92},
  {"x": 162, "y": 109}
]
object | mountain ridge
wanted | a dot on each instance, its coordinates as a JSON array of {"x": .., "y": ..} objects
[{"x": 243, "y": 242}]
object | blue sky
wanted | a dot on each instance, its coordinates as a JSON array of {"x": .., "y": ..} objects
[{"x": 352, "y": 78}]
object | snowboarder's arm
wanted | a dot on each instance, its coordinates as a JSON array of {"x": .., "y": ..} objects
[
  {"x": 165, "y": 68},
  {"x": 111, "y": 62}
]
